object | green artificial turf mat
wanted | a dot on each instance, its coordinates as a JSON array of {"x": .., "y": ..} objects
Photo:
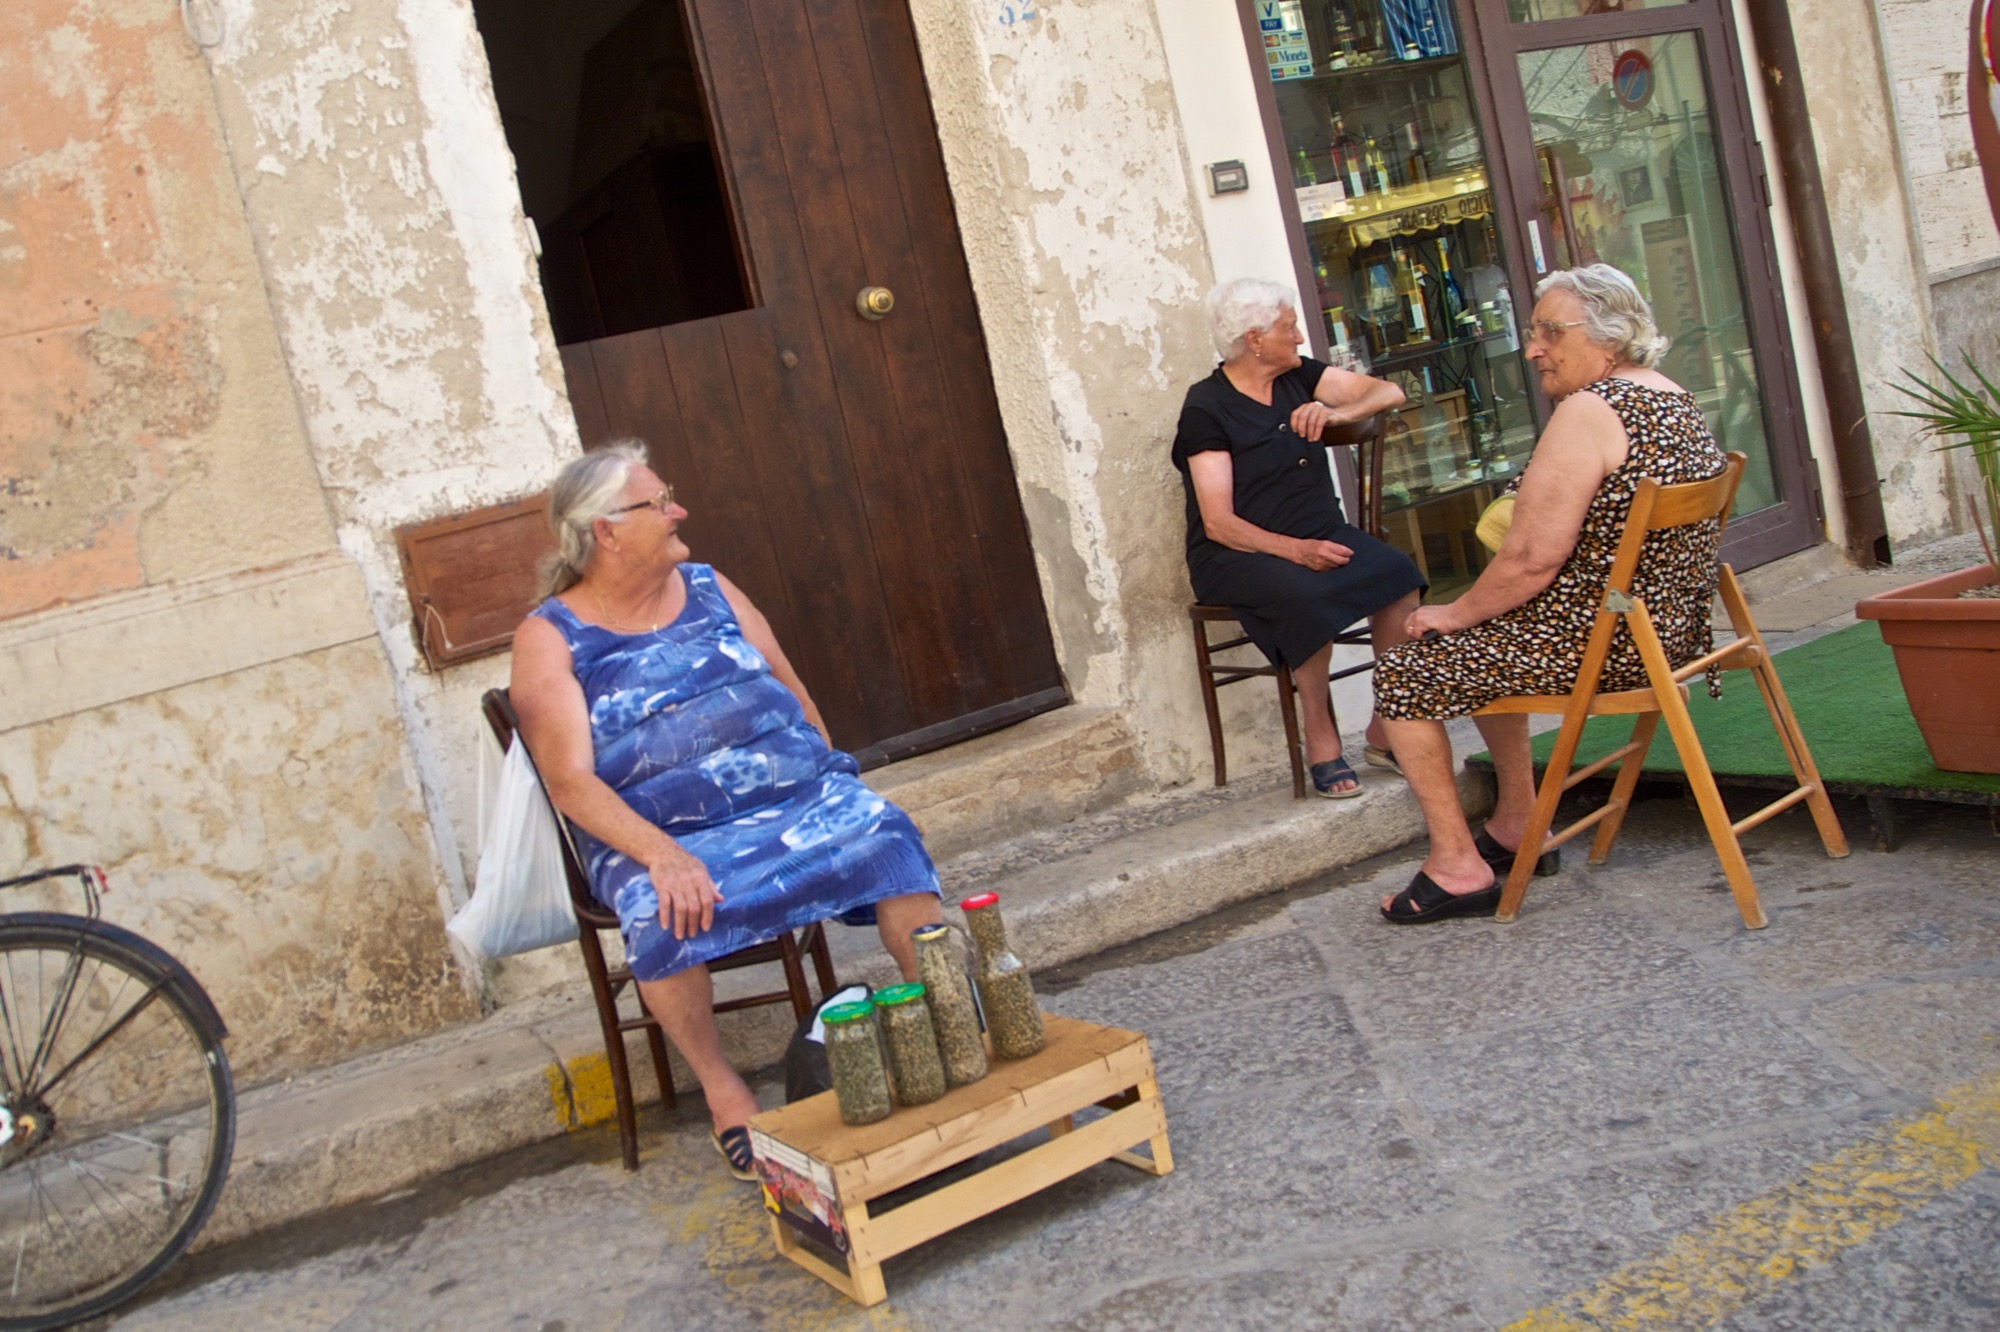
[{"x": 1849, "y": 702}]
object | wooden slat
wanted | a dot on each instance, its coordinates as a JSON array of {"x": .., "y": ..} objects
[{"x": 1011, "y": 1180}]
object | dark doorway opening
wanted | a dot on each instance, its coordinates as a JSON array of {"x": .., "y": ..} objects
[{"x": 603, "y": 105}]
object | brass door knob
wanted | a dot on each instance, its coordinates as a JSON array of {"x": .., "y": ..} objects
[{"x": 874, "y": 302}]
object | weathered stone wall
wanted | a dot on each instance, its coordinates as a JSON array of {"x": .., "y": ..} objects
[
  {"x": 1864, "y": 168},
  {"x": 381, "y": 195},
  {"x": 1924, "y": 43},
  {"x": 191, "y": 690},
  {"x": 1063, "y": 147}
]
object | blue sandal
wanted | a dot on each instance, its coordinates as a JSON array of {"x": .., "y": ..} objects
[
  {"x": 734, "y": 1144},
  {"x": 1328, "y": 776}
]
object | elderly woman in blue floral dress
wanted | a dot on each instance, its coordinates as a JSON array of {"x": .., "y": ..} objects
[{"x": 673, "y": 733}]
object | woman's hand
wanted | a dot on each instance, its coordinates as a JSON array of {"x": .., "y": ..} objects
[
  {"x": 1431, "y": 620},
  {"x": 1310, "y": 419},
  {"x": 687, "y": 895},
  {"x": 1320, "y": 555}
]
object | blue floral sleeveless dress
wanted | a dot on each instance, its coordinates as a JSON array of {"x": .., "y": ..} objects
[{"x": 688, "y": 724}]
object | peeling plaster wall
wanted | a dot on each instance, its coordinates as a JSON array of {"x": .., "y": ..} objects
[
  {"x": 1863, "y": 167},
  {"x": 382, "y": 199},
  {"x": 141, "y": 390},
  {"x": 191, "y": 691},
  {"x": 292, "y": 871},
  {"x": 1063, "y": 147}
]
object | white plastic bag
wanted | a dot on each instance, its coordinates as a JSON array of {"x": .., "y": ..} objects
[{"x": 520, "y": 901}]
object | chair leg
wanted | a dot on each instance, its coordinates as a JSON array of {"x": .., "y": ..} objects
[
  {"x": 614, "y": 1046},
  {"x": 1547, "y": 797},
  {"x": 1701, "y": 779},
  {"x": 815, "y": 944},
  {"x": 1206, "y": 669},
  {"x": 1621, "y": 790},
  {"x": 795, "y": 975},
  {"x": 1294, "y": 744},
  {"x": 1782, "y": 717}
]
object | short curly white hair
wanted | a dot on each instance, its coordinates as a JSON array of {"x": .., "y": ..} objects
[
  {"x": 1615, "y": 316},
  {"x": 1243, "y": 305}
]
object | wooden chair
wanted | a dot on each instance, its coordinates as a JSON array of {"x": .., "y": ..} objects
[
  {"x": 1215, "y": 675},
  {"x": 1654, "y": 508},
  {"x": 609, "y": 984}
]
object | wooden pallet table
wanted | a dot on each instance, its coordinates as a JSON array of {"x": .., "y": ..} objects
[{"x": 820, "y": 1175}]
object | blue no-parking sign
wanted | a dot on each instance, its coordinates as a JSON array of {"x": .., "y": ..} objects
[{"x": 1632, "y": 80}]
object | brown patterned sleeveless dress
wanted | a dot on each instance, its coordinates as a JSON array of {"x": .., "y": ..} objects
[{"x": 1537, "y": 647}]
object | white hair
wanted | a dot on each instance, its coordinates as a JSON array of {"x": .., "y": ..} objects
[
  {"x": 585, "y": 490},
  {"x": 1615, "y": 315},
  {"x": 1241, "y": 306}
]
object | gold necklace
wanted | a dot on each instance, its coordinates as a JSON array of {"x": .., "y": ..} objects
[{"x": 613, "y": 622}]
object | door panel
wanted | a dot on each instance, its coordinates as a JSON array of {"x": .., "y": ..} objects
[
  {"x": 1566, "y": 137},
  {"x": 850, "y": 474}
]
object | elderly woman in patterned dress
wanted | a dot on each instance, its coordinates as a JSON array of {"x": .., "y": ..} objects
[
  {"x": 1521, "y": 628},
  {"x": 670, "y": 729}
]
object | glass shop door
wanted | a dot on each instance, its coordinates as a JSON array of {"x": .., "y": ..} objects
[
  {"x": 1627, "y": 137},
  {"x": 1403, "y": 257}
]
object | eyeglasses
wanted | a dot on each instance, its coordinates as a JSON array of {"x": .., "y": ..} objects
[
  {"x": 1548, "y": 330},
  {"x": 662, "y": 502}
]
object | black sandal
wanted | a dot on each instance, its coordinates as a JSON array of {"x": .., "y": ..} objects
[
  {"x": 734, "y": 1144},
  {"x": 1502, "y": 860},
  {"x": 1424, "y": 901}
]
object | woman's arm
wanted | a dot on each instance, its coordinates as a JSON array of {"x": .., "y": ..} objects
[
  {"x": 1345, "y": 404},
  {"x": 1584, "y": 443},
  {"x": 1214, "y": 477},
  {"x": 555, "y": 725},
  {"x": 758, "y": 630}
]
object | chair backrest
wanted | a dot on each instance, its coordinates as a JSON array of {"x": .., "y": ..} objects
[
  {"x": 1656, "y": 507},
  {"x": 499, "y": 711}
]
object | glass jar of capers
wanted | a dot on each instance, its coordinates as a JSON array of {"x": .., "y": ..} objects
[
  {"x": 954, "y": 1015},
  {"x": 854, "y": 1060},
  {"x": 914, "y": 1067},
  {"x": 1005, "y": 992}
]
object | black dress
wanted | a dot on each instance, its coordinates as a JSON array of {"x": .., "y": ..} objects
[{"x": 1282, "y": 484}]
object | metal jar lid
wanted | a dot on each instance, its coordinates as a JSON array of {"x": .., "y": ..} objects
[
  {"x": 926, "y": 933},
  {"x": 899, "y": 994}
]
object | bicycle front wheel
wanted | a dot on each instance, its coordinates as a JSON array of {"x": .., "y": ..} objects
[{"x": 117, "y": 1116}]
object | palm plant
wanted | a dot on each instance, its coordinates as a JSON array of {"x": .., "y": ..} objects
[{"x": 1954, "y": 409}]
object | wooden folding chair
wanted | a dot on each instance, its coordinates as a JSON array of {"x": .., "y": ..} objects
[
  {"x": 1656, "y": 507},
  {"x": 1215, "y": 674},
  {"x": 608, "y": 983}
]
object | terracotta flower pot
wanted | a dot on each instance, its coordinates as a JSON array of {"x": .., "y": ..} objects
[{"x": 1948, "y": 653}]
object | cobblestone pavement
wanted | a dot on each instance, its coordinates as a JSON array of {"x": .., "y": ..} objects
[{"x": 1624, "y": 1104}]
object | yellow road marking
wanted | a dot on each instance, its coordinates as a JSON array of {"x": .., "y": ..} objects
[
  {"x": 580, "y": 1091},
  {"x": 1708, "y": 1273}
]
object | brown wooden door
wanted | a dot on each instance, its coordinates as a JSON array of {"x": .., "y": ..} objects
[{"x": 850, "y": 474}]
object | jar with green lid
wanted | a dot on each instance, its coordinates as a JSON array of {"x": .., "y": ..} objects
[
  {"x": 1005, "y": 991},
  {"x": 854, "y": 1060},
  {"x": 914, "y": 1066},
  {"x": 954, "y": 1015}
]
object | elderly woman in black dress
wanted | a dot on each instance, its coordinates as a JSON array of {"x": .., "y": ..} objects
[{"x": 1266, "y": 536}]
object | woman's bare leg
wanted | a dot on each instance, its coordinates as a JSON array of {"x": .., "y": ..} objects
[
  {"x": 1424, "y": 750},
  {"x": 1316, "y": 707},
  {"x": 684, "y": 1005},
  {"x": 1506, "y": 736},
  {"x": 895, "y": 917},
  {"x": 1385, "y": 630}
]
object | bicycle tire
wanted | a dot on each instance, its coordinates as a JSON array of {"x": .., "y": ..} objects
[{"x": 118, "y": 1115}]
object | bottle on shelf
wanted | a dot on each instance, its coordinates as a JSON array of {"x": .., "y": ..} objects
[
  {"x": 1341, "y": 36},
  {"x": 1459, "y": 320},
  {"x": 1347, "y": 163},
  {"x": 1416, "y": 326},
  {"x": 1416, "y": 167},
  {"x": 1302, "y": 170},
  {"x": 1377, "y": 170}
]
